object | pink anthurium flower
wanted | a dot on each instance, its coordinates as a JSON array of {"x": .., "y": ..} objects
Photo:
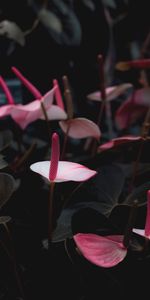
[
  {"x": 133, "y": 108},
  {"x": 119, "y": 141},
  {"x": 145, "y": 232},
  {"x": 112, "y": 92},
  {"x": 54, "y": 112},
  {"x": 103, "y": 251},
  {"x": 80, "y": 128},
  {"x": 66, "y": 171},
  {"x": 23, "y": 115}
]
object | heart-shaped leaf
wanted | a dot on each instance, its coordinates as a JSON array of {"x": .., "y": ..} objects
[{"x": 100, "y": 194}]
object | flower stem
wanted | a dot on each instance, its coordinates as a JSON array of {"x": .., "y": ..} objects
[
  {"x": 130, "y": 224},
  {"x": 13, "y": 260},
  {"x": 50, "y": 212},
  {"x": 46, "y": 118},
  {"x": 144, "y": 135}
]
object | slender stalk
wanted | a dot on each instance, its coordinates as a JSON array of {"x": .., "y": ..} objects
[
  {"x": 50, "y": 213},
  {"x": 46, "y": 118},
  {"x": 69, "y": 104},
  {"x": 25, "y": 156},
  {"x": 72, "y": 193},
  {"x": 144, "y": 134},
  {"x": 104, "y": 105},
  {"x": 130, "y": 224},
  {"x": 13, "y": 260},
  {"x": 65, "y": 144}
]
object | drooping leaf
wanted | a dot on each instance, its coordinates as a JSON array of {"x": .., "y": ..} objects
[
  {"x": 4, "y": 219},
  {"x": 7, "y": 187},
  {"x": 3, "y": 163},
  {"x": 101, "y": 195},
  {"x": 12, "y": 31}
]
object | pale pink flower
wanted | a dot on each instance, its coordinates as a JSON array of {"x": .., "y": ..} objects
[
  {"x": 112, "y": 92},
  {"x": 66, "y": 171},
  {"x": 80, "y": 128}
]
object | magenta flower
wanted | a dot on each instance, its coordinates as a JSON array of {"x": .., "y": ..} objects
[
  {"x": 112, "y": 92},
  {"x": 146, "y": 231},
  {"x": 119, "y": 141},
  {"x": 133, "y": 108},
  {"x": 66, "y": 171},
  {"x": 102, "y": 251}
]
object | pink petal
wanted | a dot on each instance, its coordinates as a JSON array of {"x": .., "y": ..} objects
[
  {"x": 5, "y": 110},
  {"x": 36, "y": 93},
  {"x": 139, "y": 231},
  {"x": 112, "y": 92},
  {"x": 48, "y": 98},
  {"x": 118, "y": 141},
  {"x": 55, "y": 153},
  {"x": 23, "y": 115},
  {"x": 6, "y": 91},
  {"x": 147, "y": 224},
  {"x": 80, "y": 128},
  {"x": 55, "y": 113},
  {"x": 58, "y": 96},
  {"x": 99, "y": 250},
  {"x": 67, "y": 171}
]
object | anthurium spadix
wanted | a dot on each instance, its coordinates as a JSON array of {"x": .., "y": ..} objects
[
  {"x": 66, "y": 171},
  {"x": 112, "y": 92},
  {"x": 53, "y": 112},
  {"x": 146, "y": 231}
]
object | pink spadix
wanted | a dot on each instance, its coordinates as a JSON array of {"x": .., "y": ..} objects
[{"x": 55, "y": 153}]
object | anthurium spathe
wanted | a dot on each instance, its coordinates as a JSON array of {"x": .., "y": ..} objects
[
  {"x": 66, "y": 171},
  {"x": 112, "y": 92},
  {"x": 103, "y": 251},
  {"x": 146, "y": 231},
  {"x": 80, "y": 128},
  {"x": 119, "y": 141}
]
